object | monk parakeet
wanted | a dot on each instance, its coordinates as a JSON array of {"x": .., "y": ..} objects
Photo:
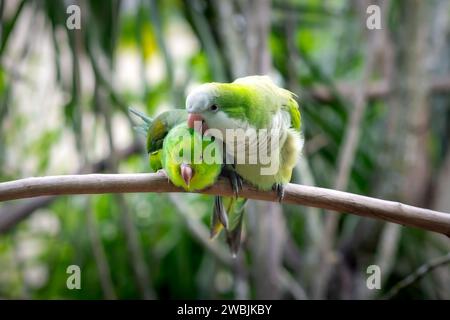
[
  {"x": 184, "y": 166},
  {"x": 192, "y": 172},
  {"x": 251, "y": 104},
  {"x": 168, "y": 136}
]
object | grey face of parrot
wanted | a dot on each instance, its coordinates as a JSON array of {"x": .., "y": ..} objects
[
  {"x": 200, "y": 106},
  {"x": 199, "y": 100}
]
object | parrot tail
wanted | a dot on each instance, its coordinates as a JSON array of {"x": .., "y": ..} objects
[
  {"x": 219, "y": 218},
  {"x": 228, "y": 213},
  {"x": 147, "y": 121}
]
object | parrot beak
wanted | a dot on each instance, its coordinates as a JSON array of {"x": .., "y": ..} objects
[
  {"x": 186, "y": 173},
  {"x": 196, "y": 122}
]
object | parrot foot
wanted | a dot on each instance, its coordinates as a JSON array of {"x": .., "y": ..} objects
[
  {"x": 279, "y": 188},
  {"x": 235, "y": 180}
]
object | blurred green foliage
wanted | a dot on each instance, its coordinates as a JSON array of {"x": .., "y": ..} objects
[{"x": 311, "y": 43}]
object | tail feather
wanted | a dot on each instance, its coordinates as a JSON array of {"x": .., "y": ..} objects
[
  {"x": 141, "y": 115},
  {"x": 219, "y": 219},
  {"x": 234, "y": 236},
  {"x": 228, "y": 214},
  {"x": 141, "y": 128}
]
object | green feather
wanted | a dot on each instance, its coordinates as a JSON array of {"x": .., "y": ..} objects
[
  {"x": 254, "y": 102},
  {"x": 179, "y": 139}
]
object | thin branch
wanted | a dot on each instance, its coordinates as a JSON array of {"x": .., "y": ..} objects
[
  {"x": 198, "y": 231},
  {"x": 221, "y": 254},
  {"x": 138, "y": 263},
  {"x": 375, "y": 90},
  {"x": 294, "y": 194},
  {"x": 386, "y": 252},
  {"x": 98, "y": 251},
  {"x": 421, "y": 272},
  {"x": 347, "y": 155},
  {"x": 137, "y": 260}
]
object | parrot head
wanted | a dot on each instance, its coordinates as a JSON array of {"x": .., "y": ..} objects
[
  {"x": 185, "y": 166},
  {"x": 216, "y": 105}
]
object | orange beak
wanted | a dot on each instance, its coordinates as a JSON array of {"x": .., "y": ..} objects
[
  {"x": 186, "y": 173},
  {"x": 196, "y": 122}
]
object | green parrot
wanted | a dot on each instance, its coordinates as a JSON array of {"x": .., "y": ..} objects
[
  {"x": 188, "y": 170},
  {"x": 252, "y": 103},
  {"x": 168, "y": 136},
  {"x": 191, "y": 173},
  {"x": 249, "y": 104}
]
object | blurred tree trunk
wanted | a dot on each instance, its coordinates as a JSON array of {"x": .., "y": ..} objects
[
  {"x": 244, "y": 28},
  {"x": 405, "y": 168},
  {"x": 442, "y": 198},
  {"x": 267, "y": 223},
  {"x": 406, "y": 171},
  {"x": 406, "y": 162},
  {"x": 371, "y": 48},
  {"x": 245, "y": 44},
  {"x": 441, "y": 49},
  {"x": 441, "y": 195}
]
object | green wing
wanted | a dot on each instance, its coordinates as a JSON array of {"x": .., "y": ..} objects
[
  {"x": 156, "y": 130},
  {"x": 161, "y": 125},
  {"x": 262, "y": 91},
  {"x": 294, "y": 111}
]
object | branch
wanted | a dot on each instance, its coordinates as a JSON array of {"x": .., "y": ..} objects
[
  {"x": 375, "y": 90},
  {"x": 12, "y": 215},
  {"x": 347, "y": 155},
  {"x": 219, "y": 252},
  {"x": 294, "y": 194},
  {"x": 418, "y": 274},
  {"x": 98, "y": 252}
]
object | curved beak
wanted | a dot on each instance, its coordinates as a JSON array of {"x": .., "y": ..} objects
[
  {"x": 195, "y": 121},
  {"x": 186, "y": 173}
]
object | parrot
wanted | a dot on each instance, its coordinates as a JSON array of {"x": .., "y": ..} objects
[
  {"x": 164, "y": 144},
  {"x": 252, "y": 102},
  {"x": 167, "y": 137},
  {"x": 188, "y": 171},
  {"x": 196, "y": 175}
]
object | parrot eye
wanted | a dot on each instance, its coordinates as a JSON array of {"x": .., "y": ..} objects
[{"x": 214, "y": 108}]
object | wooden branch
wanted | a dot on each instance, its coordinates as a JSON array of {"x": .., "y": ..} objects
[
  {"x": 11, "y": 215},
  {"x": 294, "y": 194}
]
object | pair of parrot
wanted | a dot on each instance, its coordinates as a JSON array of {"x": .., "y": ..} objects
[{"x": 252, "y": 102}]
